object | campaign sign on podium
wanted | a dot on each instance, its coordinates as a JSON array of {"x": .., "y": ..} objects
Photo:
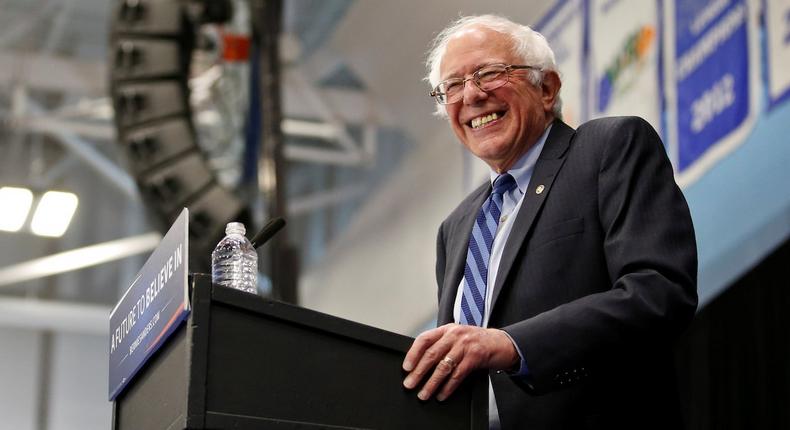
[{"x": 151, "y": 308}]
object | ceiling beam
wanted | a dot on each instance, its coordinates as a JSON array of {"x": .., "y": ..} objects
[
  {"x": 54, "y": 316},
  {"x": 53, "y": 73},
  {"x": 78, "y": 258}
]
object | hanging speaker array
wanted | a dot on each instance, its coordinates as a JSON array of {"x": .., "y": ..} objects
[{"x": 152, "y": 42}]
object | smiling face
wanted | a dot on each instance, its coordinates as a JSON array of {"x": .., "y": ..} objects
[{"x": 498, "y": 126}]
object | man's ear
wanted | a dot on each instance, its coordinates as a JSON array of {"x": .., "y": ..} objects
[{"x": 551, "y": 89}]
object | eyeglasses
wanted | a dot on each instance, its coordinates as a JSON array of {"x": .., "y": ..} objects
[{"x": 487, "y": 78}]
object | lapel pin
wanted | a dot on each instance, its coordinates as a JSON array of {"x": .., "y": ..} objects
[{"x": 539, "y": 189}]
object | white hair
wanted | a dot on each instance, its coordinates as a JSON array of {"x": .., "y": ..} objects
[{"x": 528, "y": 44}]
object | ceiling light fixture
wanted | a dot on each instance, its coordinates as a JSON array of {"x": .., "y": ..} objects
[
  {"x": 53, "y": 213},
  {"x": 15, "y": 203}
]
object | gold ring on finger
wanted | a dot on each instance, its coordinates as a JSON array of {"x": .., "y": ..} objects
[{"x": 449, "y": 361}]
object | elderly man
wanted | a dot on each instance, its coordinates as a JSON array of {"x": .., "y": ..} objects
[{"x": 571, "y": 272}]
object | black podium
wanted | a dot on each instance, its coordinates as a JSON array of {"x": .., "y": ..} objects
[{"x": 244, "y": 362}]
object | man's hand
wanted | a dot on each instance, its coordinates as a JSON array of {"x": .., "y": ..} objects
[{"x": 452, "y": 351}]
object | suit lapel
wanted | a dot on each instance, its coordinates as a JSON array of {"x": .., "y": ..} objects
[
  {"x": 548, "y": 165},
  {"x": 457, "y": 243}
]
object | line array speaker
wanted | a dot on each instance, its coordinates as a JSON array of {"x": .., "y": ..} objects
[{"x": 151, "y": 49}]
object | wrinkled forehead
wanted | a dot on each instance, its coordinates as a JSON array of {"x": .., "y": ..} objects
[{"x": 474, "y": 47}]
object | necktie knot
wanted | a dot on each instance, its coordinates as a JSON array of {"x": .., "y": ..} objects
[{"x": 504, "y": 183}]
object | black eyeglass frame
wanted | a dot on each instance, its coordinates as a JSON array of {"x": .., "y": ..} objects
[{"x": 475, "y": 78}]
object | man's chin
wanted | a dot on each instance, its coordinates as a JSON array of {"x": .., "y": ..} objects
[{"x": 493, "y": 149}]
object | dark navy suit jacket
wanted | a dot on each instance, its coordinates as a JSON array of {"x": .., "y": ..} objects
[{"x": 597, "y": 279}]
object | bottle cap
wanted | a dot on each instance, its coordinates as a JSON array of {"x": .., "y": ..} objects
[{"x": 235, "y": 227}]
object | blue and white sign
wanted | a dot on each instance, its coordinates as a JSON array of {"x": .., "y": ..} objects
[
  {"x": 564, "y": 26},
  {"x": 713, "y": 81},
  {"x": 152, "y": 307},
  {"x": 624, "y": 60},
  {"x": 777, "y": 35}
]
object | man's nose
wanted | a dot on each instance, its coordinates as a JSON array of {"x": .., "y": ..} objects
[{"x": 473, "y": 94}]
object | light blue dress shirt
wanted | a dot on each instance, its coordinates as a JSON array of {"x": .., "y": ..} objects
[{"x": 511, "y": 203}]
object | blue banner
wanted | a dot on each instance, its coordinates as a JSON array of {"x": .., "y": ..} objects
[
  {"x": 152, "y": 307},
  {"x": 713, "y": 80}
]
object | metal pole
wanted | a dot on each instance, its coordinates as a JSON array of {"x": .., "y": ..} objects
[{"x": 267, "y": 21}]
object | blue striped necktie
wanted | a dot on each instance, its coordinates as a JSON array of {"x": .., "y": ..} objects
[{"x": 473, "y": 301}]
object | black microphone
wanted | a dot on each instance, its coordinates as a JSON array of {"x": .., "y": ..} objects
[{"x": 266, "y": 233}]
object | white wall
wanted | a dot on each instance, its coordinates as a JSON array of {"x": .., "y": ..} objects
[
  {"x": 381, "y": 272},
  {"x": 77, "y": 398},
  {"x": 19, "y": 362},
  {"x": 78, "y": 383}
]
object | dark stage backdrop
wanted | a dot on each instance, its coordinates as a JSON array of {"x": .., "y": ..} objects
[{"x": 734, "y": 361}]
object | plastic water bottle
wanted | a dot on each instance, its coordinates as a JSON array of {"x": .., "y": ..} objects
[{"x": 234, "y": 262}]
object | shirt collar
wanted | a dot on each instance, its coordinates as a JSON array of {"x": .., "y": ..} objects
[{"x": 522, "y": 169}]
